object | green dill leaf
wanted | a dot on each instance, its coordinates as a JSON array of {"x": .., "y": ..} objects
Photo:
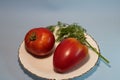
[
  {"x": 60, "y": 24},
  {"x": 72, "y": 30},
  {"x": 51, "y": 28}
]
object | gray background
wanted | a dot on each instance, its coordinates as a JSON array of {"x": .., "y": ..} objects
[{"x": 101, "y": 18}]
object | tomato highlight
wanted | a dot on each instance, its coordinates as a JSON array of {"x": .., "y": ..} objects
[
  {"x": 69, "y": 53},
  {"x": 39, "y": 42}
]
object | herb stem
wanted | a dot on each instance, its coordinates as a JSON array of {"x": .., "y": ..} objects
[{"x": 95, "y": 50}]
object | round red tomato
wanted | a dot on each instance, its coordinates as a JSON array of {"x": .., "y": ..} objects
[
  {"x": 39, "y": 41},
  {"x": 69, "y": 53}
]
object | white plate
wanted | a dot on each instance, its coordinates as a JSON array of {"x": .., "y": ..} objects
[{"x": 44, "y": 67}]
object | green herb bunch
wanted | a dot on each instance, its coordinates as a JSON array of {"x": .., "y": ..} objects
[{"x": 75, "y": 31}]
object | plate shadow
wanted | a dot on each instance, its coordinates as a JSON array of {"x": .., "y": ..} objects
[
  {"x": 82, "y": 77},
  {"x": 33, "y": 76},
  {"x": 90, "y": 72}
]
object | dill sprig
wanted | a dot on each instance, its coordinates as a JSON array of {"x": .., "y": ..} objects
[
  {"x": 72, "y": 30},
  {"x": 75, "y": 31},
  {"x": 51, "y": 28}
]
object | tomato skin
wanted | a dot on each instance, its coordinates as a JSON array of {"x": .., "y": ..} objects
[
  {"x": 68, "y": 54},
  {"x": 39, "y": 41}
]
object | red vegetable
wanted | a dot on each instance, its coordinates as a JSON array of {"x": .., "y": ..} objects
[
  {"x": 69, "y": 53},
  {"x": 39, "y": 41}
]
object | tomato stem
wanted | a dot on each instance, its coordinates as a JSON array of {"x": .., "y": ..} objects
[{"x": 33, "y": 36}]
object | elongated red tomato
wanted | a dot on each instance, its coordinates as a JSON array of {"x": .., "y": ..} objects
[
  {"x": 68, "y": 54},
  {"x": 39, "y": 41}
]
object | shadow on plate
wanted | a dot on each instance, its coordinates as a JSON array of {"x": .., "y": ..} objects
[
  {"x": 83, "y": 77},
  {"x": 89, "y": 73},
  {"x": 33, "y": 76}
]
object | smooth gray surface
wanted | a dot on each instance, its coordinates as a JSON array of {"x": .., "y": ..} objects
[{"x": 101, "y": 18}]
